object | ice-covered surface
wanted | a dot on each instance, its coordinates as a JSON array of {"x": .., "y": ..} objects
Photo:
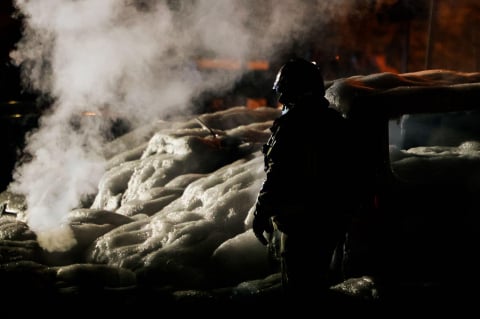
[
  {"x": 439, "y": 164},
  {"x": 414, "y": 92},
  {"x": 171, "y": 217},
  {"x": 171, "y": 211}
]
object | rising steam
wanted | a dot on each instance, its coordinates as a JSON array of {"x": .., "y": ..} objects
[{"x": 136, "y": 59}]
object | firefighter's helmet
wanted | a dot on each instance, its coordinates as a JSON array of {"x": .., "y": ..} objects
[{"x": 296, "y": 78}]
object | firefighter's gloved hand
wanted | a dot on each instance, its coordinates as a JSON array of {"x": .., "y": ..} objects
[{"x": 262, "y": 223}]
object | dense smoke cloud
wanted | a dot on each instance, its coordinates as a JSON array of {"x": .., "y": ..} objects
[{"x": 135, "y": 59}]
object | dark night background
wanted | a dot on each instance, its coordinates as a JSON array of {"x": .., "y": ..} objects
[{"x": 11, "y": 128}]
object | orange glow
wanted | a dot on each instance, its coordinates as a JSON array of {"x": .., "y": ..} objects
[
  {"x": 256, "y": 103},
  {"x": 263, "y": 65},
  {"x": 381, "y": 62},
  {"x": 89, "y": 113},
  {"x": 226, "y": 64},
  {"x": 232, "y": 64}
]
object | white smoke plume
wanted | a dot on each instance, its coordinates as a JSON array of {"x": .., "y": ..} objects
[{"x": 135, "y": 59}]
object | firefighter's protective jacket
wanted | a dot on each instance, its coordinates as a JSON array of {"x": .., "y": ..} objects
[{"x": 307, "y": 161}]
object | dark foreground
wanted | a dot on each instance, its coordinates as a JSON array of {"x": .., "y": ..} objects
[{"x": 349, "y": 299}]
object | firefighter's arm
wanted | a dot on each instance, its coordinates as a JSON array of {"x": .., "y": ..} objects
[{"x": 262, "y": 222}]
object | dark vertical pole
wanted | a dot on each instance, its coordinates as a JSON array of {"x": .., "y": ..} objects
[
  {"x": 475, "y": 44},
  {"x": 429, "y": 51},
  {"x": 406, "y": 45}
]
